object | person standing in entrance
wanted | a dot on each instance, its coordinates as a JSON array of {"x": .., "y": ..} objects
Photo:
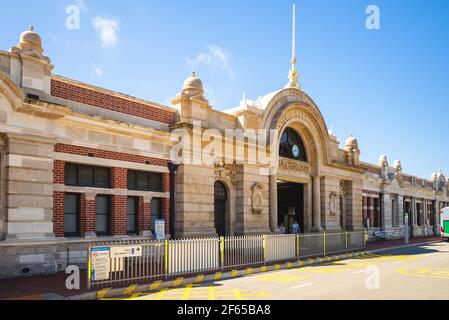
[
  {"x": 282, "y": 229},
  {"x": 295, "y": 228}
]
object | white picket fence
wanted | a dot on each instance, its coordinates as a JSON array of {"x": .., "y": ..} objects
[
  {"x": 168, "y": 258},
  {"x": 194, "y": 255}
]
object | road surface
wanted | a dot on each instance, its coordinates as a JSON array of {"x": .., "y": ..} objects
[{"x": 408, "y": 273}]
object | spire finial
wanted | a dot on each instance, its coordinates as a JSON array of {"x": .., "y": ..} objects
[
  {"x": 193, "y": 73},
  {"x": 31, "y": 28},
  {"x": 293, "y": 75}
]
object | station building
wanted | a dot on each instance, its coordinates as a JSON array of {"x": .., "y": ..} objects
[{"x": 79, "y": 163}]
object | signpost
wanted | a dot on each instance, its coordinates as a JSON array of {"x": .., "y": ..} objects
[
  {"x": 101, "y": 264},
  {"x": 126, "y": 252},
  {"x": 160, "y": 229}
]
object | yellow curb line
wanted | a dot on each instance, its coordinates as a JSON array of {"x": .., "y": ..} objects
[
  {"x": 130, "y": 289},
  {"x": 249, "y": 271},
  {"x": 217, "y": 276},
  {"x": 155, "y": 285},
  {"x": 102, "y": 293},
  {"x": 199, "y": 278},
  {"x": 234, "y": 273},
  {"x": 178, "y": 282}
]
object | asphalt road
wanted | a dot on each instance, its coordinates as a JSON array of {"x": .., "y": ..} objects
[{"x": 410, "y": 273}]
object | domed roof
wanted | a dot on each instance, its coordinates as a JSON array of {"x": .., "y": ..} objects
[
  {"x": 30, "y": 40},
  {"x": 352, "y": 142},
  {"x": 193, "y": 82},
  {"x": 193, "y": 88}
]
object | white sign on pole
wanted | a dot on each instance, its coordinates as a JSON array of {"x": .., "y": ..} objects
[
  {"x": 160, "y": 229},
  {"x": 126, "y": 252},
  {"x": 101, "y": 264}
]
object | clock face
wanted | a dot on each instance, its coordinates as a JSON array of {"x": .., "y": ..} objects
[{"x": 295, "y": 151}]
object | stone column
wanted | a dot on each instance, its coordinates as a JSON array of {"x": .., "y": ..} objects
[
  {"x": 386, "y": 213},
  {"x": 316, "y": 226},
  {"x": 414, "y": 212},
  {"x": 400, "y": 207},
  {"x": 308, "y": 206},
  {"x": 29, "y": 188},
  {"x": 273, "y": 203}
]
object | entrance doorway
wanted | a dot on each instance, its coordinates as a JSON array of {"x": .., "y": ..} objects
[
  {"x": 291, "y": 204},
  {"x": 220, "y": 204}
]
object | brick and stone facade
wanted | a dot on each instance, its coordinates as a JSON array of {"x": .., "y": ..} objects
[{"x": 48, "y": 122}]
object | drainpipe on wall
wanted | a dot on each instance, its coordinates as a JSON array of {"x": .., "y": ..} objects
[{"x": 172, "y": 168}]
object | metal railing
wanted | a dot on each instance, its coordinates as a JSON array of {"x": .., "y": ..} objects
[{"x": 116, "y": 262}]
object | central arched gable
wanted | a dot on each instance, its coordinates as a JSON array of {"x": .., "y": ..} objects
[{"x": 292, "y": 107}]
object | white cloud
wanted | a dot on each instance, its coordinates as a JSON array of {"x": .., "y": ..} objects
[
  {"x": 107, "y": 30},
  {"x": 98, "y": 70},
  {"x": 214, "y": 58}
]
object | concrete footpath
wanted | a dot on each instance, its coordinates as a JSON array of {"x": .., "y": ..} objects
[{"x": 52, "y": 287}]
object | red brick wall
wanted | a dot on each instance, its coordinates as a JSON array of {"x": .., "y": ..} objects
[
  {"x": 118, "y": 219},
  {"x": 119, "y": 203},
  {"x": 119, "y": 178},
  {"x": 91, "y": 97},
  {"x": 111, "y": 155},
  {"x": 58, "y": 213},
  {"x": 143, "y": 215}
]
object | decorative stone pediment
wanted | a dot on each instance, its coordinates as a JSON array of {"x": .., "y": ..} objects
[
  {"x": 294, "y": 165},
  {"x": 224, "y": 171}
]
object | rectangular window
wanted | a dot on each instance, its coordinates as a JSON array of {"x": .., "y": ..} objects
[
  {"x": 156, "y": 213},
  {"x": 71, "y": 215},
  {"x": 156, "y": 182},
  {"x": 87, "y": 176},
  {"x": 103, "y": 221},
  {"x": 145, "y": 181},
  {"x": 71, "y": 174},
  {"x": 131, "y": 216}
]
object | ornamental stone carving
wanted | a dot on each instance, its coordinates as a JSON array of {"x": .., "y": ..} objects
[
  {"x": 223, "y": 170},
  {"x": 333, "y": 203},
  {"x": 288, "y": 164},
  {"x": 257, "y": 198}
]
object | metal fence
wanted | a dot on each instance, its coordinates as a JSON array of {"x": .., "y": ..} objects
[{"x": 116, "y": 262}]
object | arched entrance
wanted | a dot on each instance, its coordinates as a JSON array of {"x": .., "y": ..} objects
[{"x": 220, "y": 207}]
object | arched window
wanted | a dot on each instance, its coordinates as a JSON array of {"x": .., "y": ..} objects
[{"x": 291, "y": 146}]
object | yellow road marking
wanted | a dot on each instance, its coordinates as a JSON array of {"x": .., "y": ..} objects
[
  {"x": 440, "y": 273},
  {"x": 187, "y": 292},
  {"x": 211, "y": 293}
]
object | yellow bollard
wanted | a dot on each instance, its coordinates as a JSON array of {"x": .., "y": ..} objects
[
  {"x": 222, "y": 247},
  {"x": 166, "y": 258},
  {"x": 324, "y": 243}
]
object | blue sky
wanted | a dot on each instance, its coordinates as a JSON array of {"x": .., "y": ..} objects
[{"x": 388, "y": 87}]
